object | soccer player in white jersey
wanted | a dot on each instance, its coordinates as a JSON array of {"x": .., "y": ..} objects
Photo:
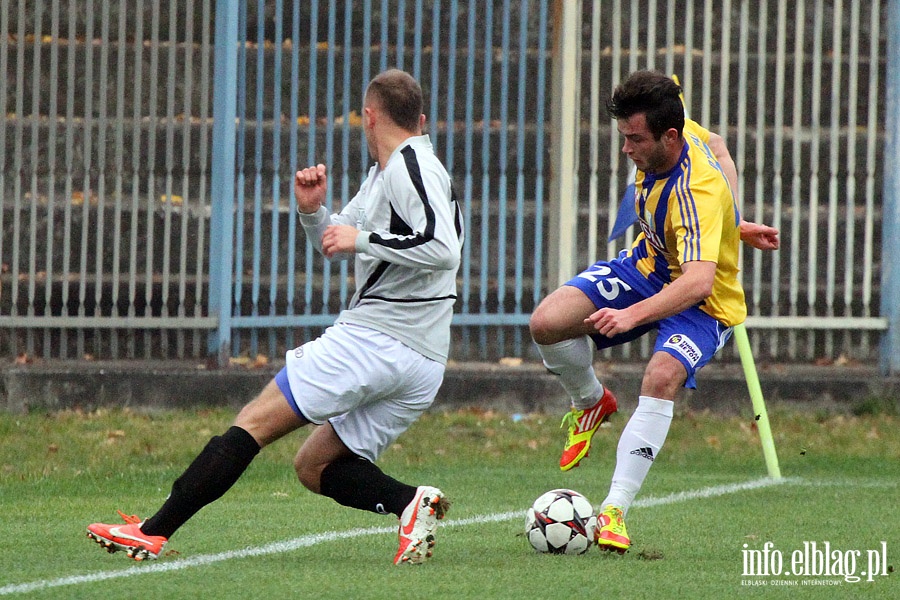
[
  {"x": 378, "y": 368},
  {"x": 678, "y": 278}
]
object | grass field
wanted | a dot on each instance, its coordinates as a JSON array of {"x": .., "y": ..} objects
[{"x": 706, "y": 499}]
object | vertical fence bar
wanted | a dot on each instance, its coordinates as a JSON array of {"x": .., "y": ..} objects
[
  {"x": 366, "y": 75},
  {"x": 519, "y": 270},
  {"x": 51, "y": 170},
  {"x": 485, "y": 174},
  {"x": 815, "y": 121},
  {"x": 274, "y": 249},
  {"x": 688, "y": 78},
  {"x": 759, "y": 149},
  {"x": 797, "y": 188},
  {"x": 136, "y": 162},
  {"x": 385, "y": 20},
  {"x": 850, "y": 289},
  {"x": 594, "y": 139},
  {"x": 778, "y": 134},
  {"x": 871, "y": 163},
  {"x": 168, "y": 197},
  {"x": 311, "y": 142},
  {"x": 452, "y": 49},
  {"x": 118, "y": 166},
  {"x": 18, "y": 154},
  {"x": 670, "y": 36},
  {"x": 345, "y": 131},
  {"x": 469, "y": 162},
  {"x": 223, "y": 167},
  {"x": 237, "y": 294},
  {"x": 290, "y": 291},
  {"x": 435, "y": 72},
  {"x": 450, "y": 96},
  {"x": 401, "y": 33},
  {"x": 890, "y": 274},
  {"x": 200, "y": 272},
  {"x": 70, "y": 177},
  {"x": 151, "y": 187},
  {"x": 706, "y": 66},
  {"x": 539, "y": 154},
  {"x": 651, "y": 36},
  {"x": 566, "y": 115},
  {"x": 187, "y": 200},
  {"x": 503, "y": 183},
  {"x": 834, "y": 163},
  {"x": 87, "y": 192},
  {"x": 4, "y": 67},
  {"x": 725, "y": 74},
  {"x": 740, "y": 156},
  {"x": 329, "y": 139},
  {"x": 34, "y": 156},
  {"x": 99, "y": 232},
  {"x": 153, "y": 121},
  {"x": 631, "y": 52},
  {"x": 417, "y": 39},
  {"x": 258, "y": 125}
]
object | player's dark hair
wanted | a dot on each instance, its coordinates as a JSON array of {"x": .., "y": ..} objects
[
  {"x": 651, "y": 93},
  {"x": 399, "y": 96}
]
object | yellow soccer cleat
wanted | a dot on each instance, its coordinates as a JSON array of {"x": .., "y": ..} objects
[
  {"x": 582, "y": 425},
  {"x": 611, "y": 534}
]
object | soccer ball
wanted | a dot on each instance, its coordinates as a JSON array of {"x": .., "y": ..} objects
[{"x": 561, "y": 522}]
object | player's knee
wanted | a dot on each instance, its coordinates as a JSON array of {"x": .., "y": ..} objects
[
  {"x": 308, "y": 475},
  {"x": 541, "y": 327},
  {"x": 663, "y": 379}
]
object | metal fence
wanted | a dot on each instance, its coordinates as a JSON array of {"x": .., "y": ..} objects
[
  {"x": 134, "y": 224},
  {"x": 797, "y": 90}
]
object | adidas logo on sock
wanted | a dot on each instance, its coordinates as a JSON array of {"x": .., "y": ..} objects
[{"x": 646, "y": 452}]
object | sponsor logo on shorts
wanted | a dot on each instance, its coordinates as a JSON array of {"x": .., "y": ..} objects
[{"x": 684, "y": 346}]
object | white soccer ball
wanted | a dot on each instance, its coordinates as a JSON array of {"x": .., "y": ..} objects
[{"x": 561, "y": 522}]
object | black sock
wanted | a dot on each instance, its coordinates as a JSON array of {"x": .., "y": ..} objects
[
  {"x": 358, "y": 483},
  {"x": 212, "y": 473}
]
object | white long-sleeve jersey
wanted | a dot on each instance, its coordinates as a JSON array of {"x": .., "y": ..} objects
[{"x": 407, "y": 250}]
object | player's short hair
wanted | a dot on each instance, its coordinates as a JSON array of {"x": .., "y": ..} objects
[
  {"x": 652, "y": 93},
  {"x": 398, "y": 95}
]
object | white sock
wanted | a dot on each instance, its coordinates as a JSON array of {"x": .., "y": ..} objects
[
  {"x": 572, "y": 361},
  {"x": 639, "y": 445}
]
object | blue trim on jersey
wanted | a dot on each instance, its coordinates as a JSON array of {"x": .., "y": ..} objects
[{"x": 688, "y": 210}]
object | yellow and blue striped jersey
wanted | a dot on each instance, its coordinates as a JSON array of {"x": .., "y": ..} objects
[{"x": 687, "y": 214}]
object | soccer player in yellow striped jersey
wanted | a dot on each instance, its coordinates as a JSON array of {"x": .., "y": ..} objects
[
  {"x": 679, "y": 279},
  {"x": 689, "y": 213}
]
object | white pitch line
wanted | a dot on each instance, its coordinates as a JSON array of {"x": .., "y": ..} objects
[{"x": 320, "y": 538}]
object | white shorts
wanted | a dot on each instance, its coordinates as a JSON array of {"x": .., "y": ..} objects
[{"x": 368, "y": 385}]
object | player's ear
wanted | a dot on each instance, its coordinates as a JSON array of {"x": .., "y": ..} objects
[
  {"x": 368, "y": 117},
  {"x": 421, "y": 123},
  {"x": 671, "y": 135}
]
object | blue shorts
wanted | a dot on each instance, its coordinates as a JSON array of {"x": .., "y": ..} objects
[{"x": 692, "y": 336}]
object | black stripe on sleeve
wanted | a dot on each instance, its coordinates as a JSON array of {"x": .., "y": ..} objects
[{"x": 407, "y": 239}]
